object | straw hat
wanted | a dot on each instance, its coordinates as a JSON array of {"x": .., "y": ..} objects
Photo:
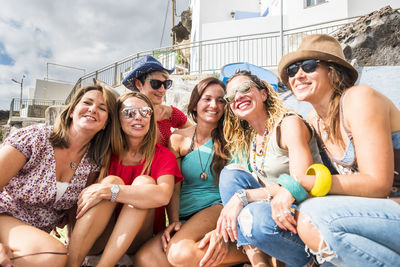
[
  {"x": 143, "y": 66},
  {"x": 316, "y": 46}
]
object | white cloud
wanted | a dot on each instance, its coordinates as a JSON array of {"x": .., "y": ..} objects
[{"x": 86, "y": 34}]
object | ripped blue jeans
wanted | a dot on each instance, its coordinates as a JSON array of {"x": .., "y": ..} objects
[
  {"x": 255, "y": 224},
  {"x": 357, "y": 231}
]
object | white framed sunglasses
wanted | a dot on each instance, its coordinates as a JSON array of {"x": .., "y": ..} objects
[
  {"x": 243, "y": 88},
  {"x": 130, "y": 113}
]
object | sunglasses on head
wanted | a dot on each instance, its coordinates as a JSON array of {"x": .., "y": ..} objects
[
  {"x": 156, "y": 84},
  {"x": 130, "y": 113},
  {"x": 243, "y": 88},
  {"x": 307, "y": 66}
]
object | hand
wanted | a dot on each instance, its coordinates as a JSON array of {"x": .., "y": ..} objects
[
  {"x": 216, "y": 251},
  {"x": 166, "y": 236},
  {"x": 280, "y": 206},
  {"x": 5, "y": 255},
  {"x": 89, "y": 197},
  {"x": 227, "y": 221}
]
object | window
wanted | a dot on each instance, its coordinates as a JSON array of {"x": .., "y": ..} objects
[{"x": 310, "y": 3}]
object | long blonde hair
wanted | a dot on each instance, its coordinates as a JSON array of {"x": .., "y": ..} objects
[
  {"x": 148, "y": 144},
  {"x": 238, "y": 133}
]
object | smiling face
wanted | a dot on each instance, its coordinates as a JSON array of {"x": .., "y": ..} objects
[
  {"x": 313, "y": 86},
  {"x": 210, "y": 106},
  {"x": 248, "y": 105},
  {"x": 90, "y": 113},
  {"x": 156, "y": 96},
  {"x": 138, "y": 125}
]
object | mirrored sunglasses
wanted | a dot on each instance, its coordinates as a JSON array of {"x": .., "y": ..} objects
[
  {"x": 243, "y": 88},
  {"x": 307, "y": 66},
  {"x": 156, "y": 84},
  {"x": 130, "y": 113}
]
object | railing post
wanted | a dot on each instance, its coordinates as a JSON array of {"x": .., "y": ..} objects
[
  {"x": 200, "y": 57},
  {"x": 115, "y": 73},
  {"x": 238, "y": 49},
  {"x": 11, "y": 109}
]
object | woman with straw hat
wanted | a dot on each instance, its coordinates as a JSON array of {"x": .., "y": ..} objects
[{"x": 359, "y": 130}]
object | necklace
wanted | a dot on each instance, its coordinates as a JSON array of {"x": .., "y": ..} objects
[
  {"x": 72, "y": 165},
  {"x": 323, "y": 128},
  {"x": 203, "y": 174},
  {"x": 262, "y": 153}
]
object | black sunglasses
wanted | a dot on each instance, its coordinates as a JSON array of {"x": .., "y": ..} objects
[
  {"x": 156, "y": 84},
  {"x": 307, "y": 66}
]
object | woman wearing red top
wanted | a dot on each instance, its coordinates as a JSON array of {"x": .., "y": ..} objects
[
  {"x": 141, "y": 178},
  {"x": 149, "y": 77}
]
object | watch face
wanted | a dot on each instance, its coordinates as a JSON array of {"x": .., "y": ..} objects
[{"x": 115, "y": 189}]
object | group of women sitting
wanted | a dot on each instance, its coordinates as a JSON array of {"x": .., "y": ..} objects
[{"x": 245, "y": 183}]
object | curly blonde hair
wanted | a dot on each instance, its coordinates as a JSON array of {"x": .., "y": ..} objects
[{"x": 238, "y": 133}]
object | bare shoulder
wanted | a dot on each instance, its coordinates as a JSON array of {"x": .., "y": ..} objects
[
  {"x": 180, "y": 140},
  {"x": 363, "y": 98},
  {"x": 293, "y": 126}
]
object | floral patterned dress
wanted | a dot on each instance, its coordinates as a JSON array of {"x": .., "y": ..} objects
[{"x": 30, "y": 195}]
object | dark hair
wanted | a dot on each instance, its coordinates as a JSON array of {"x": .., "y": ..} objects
[
  {"x": 100, "y": 146},
  {"x": 142, "y": 78},
  {"x": 340, "y": 80},
  {"x": 220, "y": 158}
]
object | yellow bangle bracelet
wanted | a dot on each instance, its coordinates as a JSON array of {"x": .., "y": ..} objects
[{"x": 323, "y": 180}]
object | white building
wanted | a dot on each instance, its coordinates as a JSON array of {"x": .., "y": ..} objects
[{"x": 261, "y": 31}]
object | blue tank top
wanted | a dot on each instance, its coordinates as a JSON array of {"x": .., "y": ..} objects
[{"x": 197, "y": 194}]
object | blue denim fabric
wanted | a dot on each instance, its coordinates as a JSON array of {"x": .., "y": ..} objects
[
  {"x": 262, "y": 233},
  {"x": 360, "y": 231}
]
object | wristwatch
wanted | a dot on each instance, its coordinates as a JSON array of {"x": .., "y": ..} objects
[
  {"x": 241, "y": 194},
  {"x": 114, "y": 192}
]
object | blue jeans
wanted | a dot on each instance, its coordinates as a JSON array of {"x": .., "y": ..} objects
[
  {"x": 358, "y": 231},
  {"x": 255, "y": 224}
]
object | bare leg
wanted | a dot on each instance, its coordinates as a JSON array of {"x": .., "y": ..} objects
[
  {"x": 183, "y": 248},
  {"x": 24, "y": 239},
  {"x": 127, "y": 227},
  {"x": 151, "y": 254},
  {"x": 89, "y": 227}
]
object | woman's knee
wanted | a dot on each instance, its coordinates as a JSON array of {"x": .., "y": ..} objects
[
  {"x": 112, "y": 179},
  {"x": 143, "y": 179},
  {"x": 180, "y": 253}
]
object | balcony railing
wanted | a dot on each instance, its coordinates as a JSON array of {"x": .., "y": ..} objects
[
  {"x": 209, "y": 56},
  {"x": 31, "y": 108}
]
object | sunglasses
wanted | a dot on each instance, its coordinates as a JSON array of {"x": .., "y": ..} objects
[
  {"x": 307, "y": 66},
  {"x": 243, "y": 88},
  {"x": 130, "y": 113},
  {"x": 156, "y": 84}
]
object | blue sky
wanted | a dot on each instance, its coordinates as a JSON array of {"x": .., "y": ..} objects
[{"x": 87, "y": 34}]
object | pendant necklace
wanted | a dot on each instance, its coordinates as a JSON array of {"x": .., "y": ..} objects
[
  {"x": 203, "y": 174},
  {"x": 72, "y": 165},
  {"x": 324, "y": 132},
  {"x": 262, "y": 153}
]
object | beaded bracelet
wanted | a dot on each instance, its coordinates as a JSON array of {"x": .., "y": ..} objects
[
  {"x": 323, "y": 180},
  {"x": 269, "y": 196},
  {"x": 294, "y": 187}
]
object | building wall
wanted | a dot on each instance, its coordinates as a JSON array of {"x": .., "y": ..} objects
[
  {"x": 215, "y": 20},
  {"x": 48, "y": 90}
]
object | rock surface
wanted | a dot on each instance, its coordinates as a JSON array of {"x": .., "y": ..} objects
[{"x": 372, "y": 40}]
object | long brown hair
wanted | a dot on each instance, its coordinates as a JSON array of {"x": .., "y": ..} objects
[
  {"x": 238, "y": 132},
  {"x": 148, "y": 144},
  {"x": 340, "y": 81},
  {"x": 100, "y": 146},
  {"x": 220, "y": 157}
]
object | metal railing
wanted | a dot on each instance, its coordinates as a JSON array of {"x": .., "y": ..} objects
[
  {"x": 209, "y": 56},
  {"x": 31, "y": 108}
]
